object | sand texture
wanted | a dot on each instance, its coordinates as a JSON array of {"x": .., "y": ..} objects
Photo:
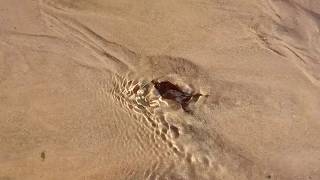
[{"x": 159, "y": 89}]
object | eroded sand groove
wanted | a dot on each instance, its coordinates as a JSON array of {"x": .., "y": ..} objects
[{"x": 292, "y": 33}]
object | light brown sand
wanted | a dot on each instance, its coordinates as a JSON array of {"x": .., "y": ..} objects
[{"x": 76, "y": 100}]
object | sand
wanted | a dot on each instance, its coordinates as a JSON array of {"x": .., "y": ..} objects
[{"x": 77, "y": 102}]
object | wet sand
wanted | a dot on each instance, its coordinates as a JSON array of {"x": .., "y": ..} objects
[{"x": 83, "y": 96}]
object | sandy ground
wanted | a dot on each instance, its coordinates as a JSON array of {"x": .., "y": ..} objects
[{"x": 76, "y": 100}]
